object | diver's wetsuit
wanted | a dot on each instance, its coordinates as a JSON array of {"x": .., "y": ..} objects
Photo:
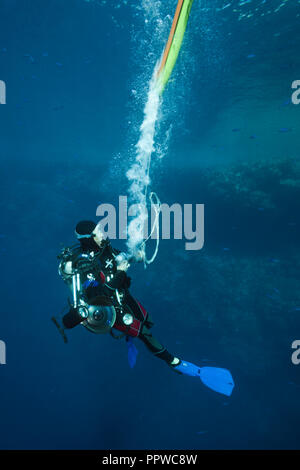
[
  {"x": 145, "y": 334},
  {"x": 107, "y": 278}
]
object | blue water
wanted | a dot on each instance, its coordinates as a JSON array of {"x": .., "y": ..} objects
[{"x": 77, "y": 75}]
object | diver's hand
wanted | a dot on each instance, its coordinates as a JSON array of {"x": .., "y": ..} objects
[
  {"x": 122, "y": 262},
  {"x": 138, "y": 256},
  {"x": 123, "y": 266}
]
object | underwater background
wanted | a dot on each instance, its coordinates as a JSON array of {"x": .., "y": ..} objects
[{"x": 77, "y": 75}]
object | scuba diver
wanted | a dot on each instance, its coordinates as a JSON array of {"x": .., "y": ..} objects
[{"x": 96, "y": 273}]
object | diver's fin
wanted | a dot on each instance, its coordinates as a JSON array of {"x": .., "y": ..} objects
[
  {"x": 219, "y": 380},
  {"x": 132, "y": 351}
]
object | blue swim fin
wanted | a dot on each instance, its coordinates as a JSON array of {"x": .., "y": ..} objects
[
  {"x": 132, "y": 351},
  {"x": 219, "y": 380}
]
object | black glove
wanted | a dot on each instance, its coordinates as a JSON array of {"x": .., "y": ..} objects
[
  {"x": 120, "y": 281},
  {"x": 72, "y": 318},
  {"x": 127, "y": 282}
]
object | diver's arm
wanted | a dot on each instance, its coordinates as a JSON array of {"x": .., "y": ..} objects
[
  {"x": 119, "y": 280},
  {"x": 120, "y": 257}
]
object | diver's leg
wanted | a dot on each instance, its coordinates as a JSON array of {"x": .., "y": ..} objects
[
  {"x": 138, "y": 310},
  {"x": 219, "y": 380},
  {"x": 157, "y": 348}
]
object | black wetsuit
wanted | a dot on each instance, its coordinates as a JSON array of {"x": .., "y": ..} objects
[{"x": 106, "y": 278}]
